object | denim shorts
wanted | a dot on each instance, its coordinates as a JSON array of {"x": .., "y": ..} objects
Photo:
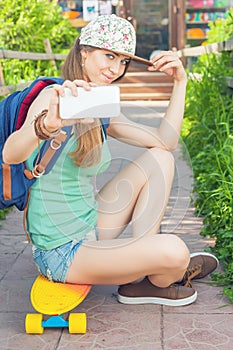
[{"x": 54, "y": 263}]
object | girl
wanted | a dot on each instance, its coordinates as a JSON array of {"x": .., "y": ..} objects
[{"x": 73, "y": 233}]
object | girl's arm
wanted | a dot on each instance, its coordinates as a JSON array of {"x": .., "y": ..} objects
[
  {"x": 166, "y": 136},
  {"x": 24, "y": 141},
  {"x": 21, "y": 143}
]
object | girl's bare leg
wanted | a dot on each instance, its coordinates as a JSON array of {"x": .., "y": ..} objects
[
  {"x": 139, "y": 193},
  {"x": 164, "y": 258}
]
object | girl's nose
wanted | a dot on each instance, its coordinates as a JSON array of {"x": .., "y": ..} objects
[{"x": 115, "y": 67}]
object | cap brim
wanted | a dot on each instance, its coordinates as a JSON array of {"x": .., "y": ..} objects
[
  {"x": 142, "y": 60},
  {"x": 134, "y": 58}
]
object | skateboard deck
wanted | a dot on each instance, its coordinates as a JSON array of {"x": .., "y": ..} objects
[{"x": 55, "y": 299}]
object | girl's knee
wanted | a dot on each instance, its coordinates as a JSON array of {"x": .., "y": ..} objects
[
  {"x": 177, "y": 255},
  {"x": 164, "y": 160},
  {"x": 162, "y": 155}
]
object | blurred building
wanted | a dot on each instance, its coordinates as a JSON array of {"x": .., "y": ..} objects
[{"x": 160, "y": 24}]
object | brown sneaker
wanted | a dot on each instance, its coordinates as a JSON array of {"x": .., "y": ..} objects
[
  {"x": 201, "y": 265},
  {"x": 145, "y": 292}
]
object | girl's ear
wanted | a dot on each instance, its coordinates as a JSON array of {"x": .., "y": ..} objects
[
  {"x": 84, "y": 56},
  {"x": 84, "y": 53}
]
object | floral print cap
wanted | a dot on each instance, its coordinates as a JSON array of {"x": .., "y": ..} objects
[{"x": 112, "y": 33}]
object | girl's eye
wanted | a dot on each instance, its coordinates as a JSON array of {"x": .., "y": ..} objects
[
  {"x": 110, "y": 56},
  {"x": 125, "y": 62}
]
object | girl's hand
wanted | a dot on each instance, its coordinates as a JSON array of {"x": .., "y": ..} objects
[
  {"x": 53, "y": 120},
  {"x": 169, "y": 63}
]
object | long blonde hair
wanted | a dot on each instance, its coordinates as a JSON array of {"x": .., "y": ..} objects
[{"x": 89, "y": 136}]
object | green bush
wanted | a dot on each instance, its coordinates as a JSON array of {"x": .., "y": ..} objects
[
  {"x": 24, "y": 24},
  {"x": 208, "y": 135},
  {"x": 220, "y": 29}
]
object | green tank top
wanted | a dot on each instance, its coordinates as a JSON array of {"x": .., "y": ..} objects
[{"x": 62, "y": 205}]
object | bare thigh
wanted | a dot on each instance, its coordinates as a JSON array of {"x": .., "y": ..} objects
[{"x": 164, "y": 257}]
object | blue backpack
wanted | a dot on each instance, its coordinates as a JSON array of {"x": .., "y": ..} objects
[{"x": 15, "y": 179}]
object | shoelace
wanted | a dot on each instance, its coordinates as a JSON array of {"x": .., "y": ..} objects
[{"x": 191, "y": 273}]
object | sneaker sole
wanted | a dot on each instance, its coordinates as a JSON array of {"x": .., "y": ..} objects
[{"x": 160, "y": 301}]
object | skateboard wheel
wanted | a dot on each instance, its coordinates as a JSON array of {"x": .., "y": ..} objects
[
  {"x": 77, "y": 323},
  {"x": 33, "y": 324}
]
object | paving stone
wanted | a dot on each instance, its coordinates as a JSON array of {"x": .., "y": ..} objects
[
  {"x": 13, "y": 336},
  {"x": 198, "y": 332}
]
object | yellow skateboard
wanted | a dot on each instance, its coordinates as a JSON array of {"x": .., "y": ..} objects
[{"x": 55, "y": 299}]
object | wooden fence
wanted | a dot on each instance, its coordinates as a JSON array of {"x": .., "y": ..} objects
[
  {"x": 34, "y": 56},
  {"x": 191, "y": 52},
  {"x": 186, "y": 53}
]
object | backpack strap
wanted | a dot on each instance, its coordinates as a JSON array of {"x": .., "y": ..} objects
[
  {"x": 47, "y": 145},
  {"x": 52, "y": 149},
  {"x": 105, "y": 124},
  {"x": 54, "y": 146},
  {"x": 50, "y": 154}
]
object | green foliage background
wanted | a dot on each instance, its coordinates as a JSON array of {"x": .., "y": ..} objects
[
  {"x": 208, "y": 135},
  {"x": 24, "y": 24}
]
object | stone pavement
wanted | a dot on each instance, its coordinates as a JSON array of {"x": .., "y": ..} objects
[{"x": 206, "y": 324}]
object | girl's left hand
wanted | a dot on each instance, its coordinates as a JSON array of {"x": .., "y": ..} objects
[{"x": 169, "y": 63}]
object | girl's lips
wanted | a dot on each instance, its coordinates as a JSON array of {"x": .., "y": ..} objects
[{"x": 108, "y": 78}]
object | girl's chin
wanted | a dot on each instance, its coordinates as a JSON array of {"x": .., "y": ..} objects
[{"x": 100, "y": 82}]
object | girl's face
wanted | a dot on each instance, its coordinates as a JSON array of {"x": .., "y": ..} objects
[{"x": 102, "y": 66}]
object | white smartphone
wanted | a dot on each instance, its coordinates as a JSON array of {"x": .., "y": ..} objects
[{"x": 99, "y": 102}]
